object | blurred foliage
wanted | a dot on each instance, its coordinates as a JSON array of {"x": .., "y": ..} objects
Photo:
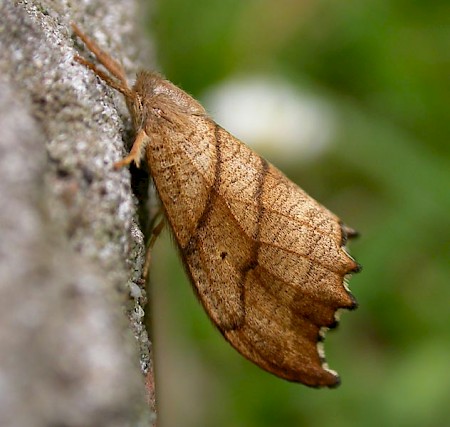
[{"x": 385, "y": 66}]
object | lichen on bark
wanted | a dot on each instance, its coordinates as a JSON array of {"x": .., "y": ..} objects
[{"x": 71, "y": 249}]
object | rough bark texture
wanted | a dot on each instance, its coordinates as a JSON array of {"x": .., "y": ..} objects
[{"x": 71, "y": 250}]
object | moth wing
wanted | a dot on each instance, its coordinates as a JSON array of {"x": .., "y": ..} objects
[
  {"x": 264, "y": 257},
  {"x": 184, "y": 168},
  {"x": 296, "y": 281}
]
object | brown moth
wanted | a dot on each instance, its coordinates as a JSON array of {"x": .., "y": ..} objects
[{"x": 266, "y": 260}]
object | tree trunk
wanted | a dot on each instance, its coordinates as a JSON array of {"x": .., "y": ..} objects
[{"x": 71, "y": 248}]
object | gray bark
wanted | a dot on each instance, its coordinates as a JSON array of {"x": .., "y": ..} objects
[{"x": 71, "y": 250}]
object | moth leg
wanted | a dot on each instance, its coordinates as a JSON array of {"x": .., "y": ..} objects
[
  {"x": 155, "y": 234},
  {"x": 136, "y": 152}
]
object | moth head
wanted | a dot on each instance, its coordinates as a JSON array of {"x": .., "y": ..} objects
[
  {"x": 135, "y": 104},
  {"x": 154, "y": 91}
]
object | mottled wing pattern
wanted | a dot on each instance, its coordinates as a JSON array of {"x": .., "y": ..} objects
[{"x": 264, "y": 256}]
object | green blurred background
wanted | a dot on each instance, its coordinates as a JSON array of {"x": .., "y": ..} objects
[{"x": 384, "y": 67}]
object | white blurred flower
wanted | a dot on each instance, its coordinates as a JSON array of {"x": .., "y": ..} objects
[{"x": 273, "y": 117}]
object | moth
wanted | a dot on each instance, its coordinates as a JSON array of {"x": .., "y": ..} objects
[{"x": 267, "y": 261}]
